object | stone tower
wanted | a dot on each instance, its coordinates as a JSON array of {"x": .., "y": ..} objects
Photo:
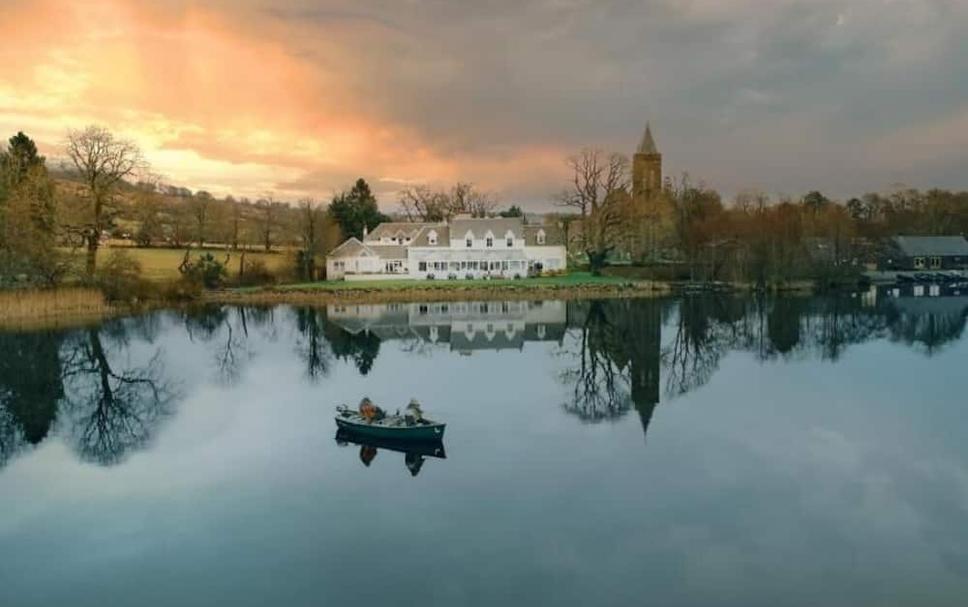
[{"x": 646, "y": 170}]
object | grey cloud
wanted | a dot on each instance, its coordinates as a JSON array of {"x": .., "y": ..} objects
[{"x": 727, "y": 85}]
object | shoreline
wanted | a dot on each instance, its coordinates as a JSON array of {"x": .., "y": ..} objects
[{"x": 419, "y": 294}]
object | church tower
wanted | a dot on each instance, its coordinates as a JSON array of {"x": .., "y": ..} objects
[{"x": 646, "y": 170}]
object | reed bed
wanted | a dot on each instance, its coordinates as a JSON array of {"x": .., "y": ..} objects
[{"x": 45, "y": 307}]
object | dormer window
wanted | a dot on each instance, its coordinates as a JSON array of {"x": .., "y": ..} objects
[
  {"x": 509, "y": 239},
  {"x": 541, "y": 236},
  {"x": 469, "y": 239},
  {"x": 489, "y": 240},
  {"x": 432, "y": 237}
]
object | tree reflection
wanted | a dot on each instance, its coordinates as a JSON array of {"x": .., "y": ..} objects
[
  {"x": 614, "y": 354},
  {"x": 311, "y": 345},
  {"x": 30, "y": 388},
  {"x": 113, "y": 404},
  {"x": 361, "y": 348}
]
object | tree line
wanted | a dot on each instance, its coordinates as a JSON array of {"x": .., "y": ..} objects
[
  {"x": 55, "y": 220},
  {"x": 694, "y": 233}
]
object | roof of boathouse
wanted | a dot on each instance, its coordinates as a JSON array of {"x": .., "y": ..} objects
[{"x": 927, "y": 246}]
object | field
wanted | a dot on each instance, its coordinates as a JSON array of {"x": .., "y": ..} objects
[{"x": 161, "y": 265}]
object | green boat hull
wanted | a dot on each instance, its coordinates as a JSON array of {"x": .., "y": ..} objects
[{"x": 423, "y": 432}]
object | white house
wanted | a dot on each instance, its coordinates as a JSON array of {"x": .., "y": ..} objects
[{"x": 463, "y": 248}]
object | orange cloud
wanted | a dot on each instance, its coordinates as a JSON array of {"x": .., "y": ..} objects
[{"x": 218, "y": 101}]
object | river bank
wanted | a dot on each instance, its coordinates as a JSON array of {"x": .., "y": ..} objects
[{"x": 571, "y": 286}]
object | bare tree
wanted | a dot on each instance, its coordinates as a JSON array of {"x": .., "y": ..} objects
[
  {"x": 201, "y": 204},
  {"x": 236, "y": 206},
  {"x": 465, "y": 198},
  {"x": 267, "y": 207},
  {"x": 310, "y": 224},
  {"x": 421, "y": 203},
  {"x": 103, "y": 162},
  {"x": 599, "y": 192}
]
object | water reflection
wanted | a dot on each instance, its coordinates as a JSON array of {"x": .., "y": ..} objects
[
  {"x": 464, "y": 327},
  {"x": 414, "y": 452},
  {"x": 108, "y": 402},
  {"x": 107, "y": 391},
  {"x": 160, "y": 455}
]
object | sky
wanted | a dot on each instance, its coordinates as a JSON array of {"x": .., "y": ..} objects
[{"x": 297, "y": 98}]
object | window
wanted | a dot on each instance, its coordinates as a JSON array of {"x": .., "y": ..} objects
[
  {"x": 918, "y": 263},
  {"x": 509, "y": 242},
  {"x": 541, "y": 237},
  {"x": 422, "y": 266},
  {"x": 509, "y": 239},
  {"x": 469, "y": 239},
  {"x": 936, "y": 263},
  {"x": 490, "y": 241},
  {"x": 432, "y": 237}
]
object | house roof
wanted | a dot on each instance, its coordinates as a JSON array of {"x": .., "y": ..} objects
[
  {"x": 389, "y": 229},
  {"x": 553, "y": 235},
  {"x": 351, "y": 248},
  {"x": 938, "y": 246},
  {"x": 498, "y": 226},
  {"x": 647, "y": 145},
  {"x": 389, "y": 251},
  {"x": 443, "y": 236}
]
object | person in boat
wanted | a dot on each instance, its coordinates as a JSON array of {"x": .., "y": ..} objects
[
  {"x": 413, "y": 414},
  {"x": 367, "y": 454},
  {"x": 413, "y": 462},
  {"x": 369, "y": 411}
]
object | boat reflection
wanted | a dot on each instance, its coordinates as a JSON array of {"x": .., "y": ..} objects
[{"x": 415, "y": 452}]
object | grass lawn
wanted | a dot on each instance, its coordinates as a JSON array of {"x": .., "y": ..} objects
[
  {"x": 162, "y": 264},
  {"x": 568, "y": 280}
]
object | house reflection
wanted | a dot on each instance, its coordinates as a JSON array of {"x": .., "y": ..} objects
[{"x": 464, "y": 327}]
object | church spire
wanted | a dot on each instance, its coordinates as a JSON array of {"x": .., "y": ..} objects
[{"x": 648, "y": 144}]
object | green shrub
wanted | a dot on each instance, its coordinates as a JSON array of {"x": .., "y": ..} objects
[
  {"x": 119, "y": 278},
  {"x": 205, "y": 270}
]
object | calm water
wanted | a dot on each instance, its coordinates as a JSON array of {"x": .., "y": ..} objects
[{"x": 683, "y": 452}]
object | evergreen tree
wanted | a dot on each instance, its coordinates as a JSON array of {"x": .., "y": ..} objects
[{"x": 355, "y": 210}]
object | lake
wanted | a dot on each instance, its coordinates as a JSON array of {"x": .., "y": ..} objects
[{"x": 692, "y": 451}]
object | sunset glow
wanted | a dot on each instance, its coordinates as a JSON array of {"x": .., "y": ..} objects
[{"x": 299, "y": 98}]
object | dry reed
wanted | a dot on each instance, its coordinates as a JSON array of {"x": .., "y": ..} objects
[{"x": 27, "y": 308}]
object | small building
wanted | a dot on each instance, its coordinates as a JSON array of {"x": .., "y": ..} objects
[
  {"x": 926, "y": 253},
  {"x": 465, "y": 247}
]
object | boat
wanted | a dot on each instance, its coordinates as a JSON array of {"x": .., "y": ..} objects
[
  {"x": 397, "y": 427},
  {"x": 415, "y": 452},
  {"x": 424, "y": 448}
]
